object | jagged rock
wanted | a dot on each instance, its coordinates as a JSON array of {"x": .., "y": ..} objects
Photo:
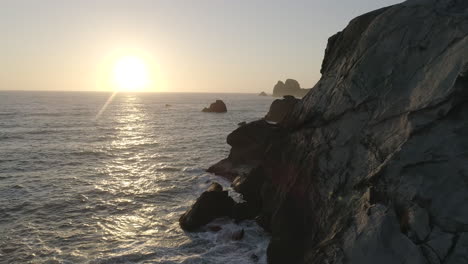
[
  {"x": 211, "y": 204},
  {"x": 290, "y": 87},
  {"x": 249, "y": 143},
  {"x": 217, "y": 107},
  {"x": 280, "y": 108},
  {"x": 385, "y": 126},
  {"x": 262, "y": 94}
]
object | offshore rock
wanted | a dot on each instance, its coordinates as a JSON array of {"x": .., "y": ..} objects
[
  {"x": 262, "y": 94},
  {"x": 370, "y": 166},
  {"x": 290, "y": 87},
  {"x": 212, "y": 204},
  {"x": 217, "y": 107}
]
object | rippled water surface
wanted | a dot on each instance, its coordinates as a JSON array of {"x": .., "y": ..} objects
[{"x": 76, "y": 189}]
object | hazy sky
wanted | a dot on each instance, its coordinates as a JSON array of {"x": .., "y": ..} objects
[{"x": 191, "y": 46}]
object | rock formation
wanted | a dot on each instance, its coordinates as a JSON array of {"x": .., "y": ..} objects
[
  {"x": 213, "y": 203},
  {"x": 262, "y": 94},
  {"x": 280, "y": 108},
  {"x": 217, "y": 107},
  {"x": 290, "y": 87},
  {"x": 371, "y": 165}
]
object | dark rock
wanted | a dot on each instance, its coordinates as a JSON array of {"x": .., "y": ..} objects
[
  {"x": 254, "y": 258},
  {"x": 280, "y": 108},
  {"x": 263, "y": 94},
  {"x": 238, "y": 235},
  {"x": 264, "y": 221},
  {"x": 211, "y": 204},
  {"x": 249, "y": 185},
  {"x": 290, "y": 87},
  {"x": 244, "y": 211},
  {"x": 440, "y": 242},
  {"x": 243, "y": 123},
  {"x": 214, "y": 228},
  {"x": 373, "y": 158},
  {"x": 460, "y": 250},
  {"x": 226, "y": 169},
  {"x": 217, "y": 107},
  {"x": 215, "y": 187},
  {"x": 249, "y": 143},
  {"x": 418, "y": 221}
]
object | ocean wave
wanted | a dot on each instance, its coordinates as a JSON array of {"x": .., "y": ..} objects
[{"x": 112, "y": 190}]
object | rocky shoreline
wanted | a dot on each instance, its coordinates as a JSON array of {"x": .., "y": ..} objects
[{"x": 371, "y": 165}]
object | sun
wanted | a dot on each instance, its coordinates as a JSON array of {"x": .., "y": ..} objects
[{"x": 130, "y": 73}]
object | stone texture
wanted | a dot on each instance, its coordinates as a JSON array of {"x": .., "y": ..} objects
[
  {"x": 459, "y": 254},
  {"x": 418, "y": 223},
  {"x": 440, "y": 242},
  {"x": 374, "y": 157}
]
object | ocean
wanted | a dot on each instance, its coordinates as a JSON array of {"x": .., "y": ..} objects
[{"x": 78, "y": 187}]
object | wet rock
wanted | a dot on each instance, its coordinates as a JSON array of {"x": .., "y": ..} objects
[
  {"x": 215, "y": 187},
  {"x": 217, "y": 107},
  {"x": 243, "y": 123},
  {"x": 254, "y": 258},
  {"x": 264, "y": 221},
  {"x": 214, "y": 228},
  {"x": 280, "y": 108},
  {"x": 211, "y": 204},
  {"x": 238, "y": 235}
]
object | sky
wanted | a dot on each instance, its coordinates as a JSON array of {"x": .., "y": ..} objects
[{"x": 243, "y": 46}]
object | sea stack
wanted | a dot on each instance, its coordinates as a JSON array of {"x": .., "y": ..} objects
[
  {"x": 290, "y": 87},
  {"x": 371, "y": 165},
  {"x": 217, "y": 107}
]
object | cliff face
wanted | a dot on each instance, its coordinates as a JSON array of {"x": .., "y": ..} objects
[{"x": 371, "y": 166}]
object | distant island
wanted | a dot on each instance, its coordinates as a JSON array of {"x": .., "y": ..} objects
[{"x": 290, "y": 87}]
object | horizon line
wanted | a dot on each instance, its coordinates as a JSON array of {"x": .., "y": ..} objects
[{"x": 110, "y": 91}]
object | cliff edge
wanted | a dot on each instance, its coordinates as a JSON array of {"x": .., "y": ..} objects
[{"x": 371, "y": 166}]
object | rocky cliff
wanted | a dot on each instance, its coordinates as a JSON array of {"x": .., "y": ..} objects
[
  {"x": 290, "y": 87},
  {"x": 371, "y": 166}
]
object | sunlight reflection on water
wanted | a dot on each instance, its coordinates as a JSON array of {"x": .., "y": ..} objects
[{"x": 112, "y": 190}]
